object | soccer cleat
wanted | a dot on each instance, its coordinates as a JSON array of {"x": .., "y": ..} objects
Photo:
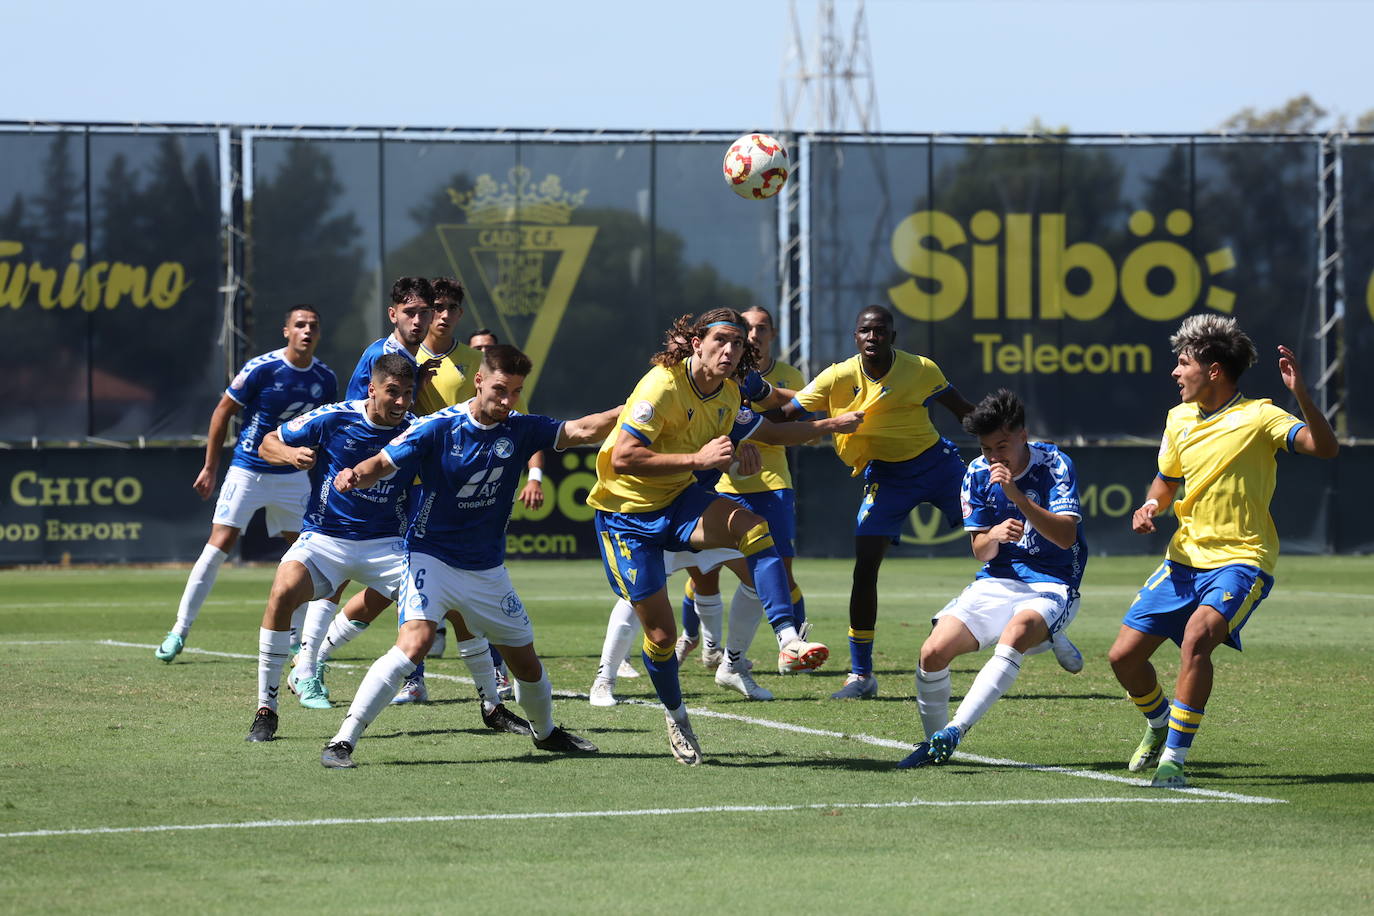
[
  {"x": 857, "y": 687},
  {"x": 171, "y": 647},
  {"x": 685, "y": 646},
  {"x": 1147, "y": 752},
  {"x": 501, "y": 719},
  {"x": 743, "y": 682},
  {"x": 917, "y": 758},
  {"x": 412, "y": 691},
  {"x": 1070, "y": 659},
  {"x": 564, "y": 742},
  {"x": 338, "y": 755},
  {"x": 626, "y": 669},
  {"x": 804, "y": 630},
  {"x": 799, "y": 655},
  {"x": 711, "y": 657},
  {"x": 943, "y": 743},
  {"x": 264, "y": 726},
  {"x": 602, "y": 693},
  {"x": 312, "y": 693},
  {"x": 1169, "y": 775},
  {"x": 505, "y": 687},
  {"x": 682, "y": 741},
  {"x": 436, "y": 648}
]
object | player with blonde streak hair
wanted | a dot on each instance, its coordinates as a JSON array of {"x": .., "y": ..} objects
[{"x": 1219, "y": 445}]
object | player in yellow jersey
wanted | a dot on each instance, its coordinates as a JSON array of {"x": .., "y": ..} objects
[
  {"x": 903, "y": 459},
  {"x": 1220, "y": 446},
  {"x": 647, "y": 499},
  {"x": 768, "y": 493}
]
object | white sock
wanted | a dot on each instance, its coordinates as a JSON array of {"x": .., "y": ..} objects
[
  {"x": 786, "y": 635},
  {"x": 476, "y": 654},
  {"x": 620, "y": 635},
  {"x": 298, "y": 622},
  {"x": 341, "y": 631},
  {"x": 319, "y": 615},
  {"x": 994, "y": 679},
  {"x": 745, "y": 613},
  {"x": 198, "y": 586},
  {"x": 932, "y": 699},
  {"x": 711, "y": 614},
  {"x": 376, "y": 691},
  {"x": 274, "y": 648},
  {"x": 536, "y": 699},
  {"x": 679, "y": 714},
  {"x": 1174, "y": 755}
]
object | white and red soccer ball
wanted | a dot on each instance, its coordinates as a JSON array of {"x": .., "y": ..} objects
[{"x": 756, "y": 166}]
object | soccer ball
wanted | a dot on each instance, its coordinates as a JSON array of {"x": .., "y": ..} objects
[{"x": 756, "y": 166}]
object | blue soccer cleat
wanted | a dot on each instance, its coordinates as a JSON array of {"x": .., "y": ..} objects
[
  {"x": 943, "y": 743},
  {"x": 917, "y": 758}
]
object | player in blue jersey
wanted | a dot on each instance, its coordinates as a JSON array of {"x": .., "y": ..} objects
[
  {"x": 1220, "y": 446},
  {"x": 269, "y": 390},
  {"x": 1020, "y": 507},
  {"x": 346, "y": 536},
  {"x": 469, "y": 458},
  {"x": 411, "y": 311}
]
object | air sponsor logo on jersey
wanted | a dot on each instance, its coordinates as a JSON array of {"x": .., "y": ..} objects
[{"x": 481, "y": 489}]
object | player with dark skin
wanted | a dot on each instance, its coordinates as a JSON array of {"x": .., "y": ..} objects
[{"x": 875, "y": 338}]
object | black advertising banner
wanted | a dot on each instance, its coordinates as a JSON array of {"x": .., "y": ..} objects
[
  {"x": 1112, "y": 482},
  {"x": 110, "y": 266},
  {"x": 1357, "y": 189},
  {"x": 1060, "y": 270},
  {"x": 101, "y": 506}
]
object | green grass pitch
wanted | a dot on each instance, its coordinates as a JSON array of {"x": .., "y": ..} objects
[{"x": 797, "y": 808}]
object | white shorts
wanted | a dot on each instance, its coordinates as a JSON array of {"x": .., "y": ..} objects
[
  {"x": 704, "y": 560},
  {"x": 379, "y": 563},
  {"x": 244, "y": 492},
  {"x": 987, "y": 606},
  {"x": 485, "y": 597}
]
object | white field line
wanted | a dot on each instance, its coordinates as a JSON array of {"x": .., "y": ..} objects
[
  {"x": 1170, "y": 799},
  {"x": 941, "y": 595},
  {"x": 705, "y": 713}
]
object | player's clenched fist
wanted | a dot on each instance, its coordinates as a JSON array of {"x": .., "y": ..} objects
[{"x": 715, "y": 455}]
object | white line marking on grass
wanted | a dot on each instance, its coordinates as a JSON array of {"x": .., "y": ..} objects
[
  {"x": 1172, "y": 799},
  {"x": 706, "y": 713}
]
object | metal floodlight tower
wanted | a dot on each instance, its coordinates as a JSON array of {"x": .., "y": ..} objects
[{"x": 827, "y": 89}]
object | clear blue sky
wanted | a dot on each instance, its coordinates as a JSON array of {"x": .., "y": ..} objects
[{"x": 943, "y": 65}]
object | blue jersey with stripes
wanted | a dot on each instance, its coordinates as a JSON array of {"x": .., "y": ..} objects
[
  {"x": 362, "y": 373},
  {"x": 468, "y": 474},
  {"x": 271, "y": 391},
  {"x": 343, "y": 436},
  {"x": 1049, "y": 481}
]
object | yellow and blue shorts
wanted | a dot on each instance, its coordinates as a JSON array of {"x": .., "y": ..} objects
[
  {"x": 632, "y": 543},
  {"x": 779, "y": 509},
  {"x": 1168, "y": 598},
  {"x": 892, "y": 489}
]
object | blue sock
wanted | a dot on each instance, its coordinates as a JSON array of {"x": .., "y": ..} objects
[
  {"x": 691, "y": 624},
  {"x": 770, "y": 576},
  {"x": 419, "y": 670},
  {"x": 496, "y": 658},
  {"x": 663, "y": 672},
  {"x": 860, "y": 652}
]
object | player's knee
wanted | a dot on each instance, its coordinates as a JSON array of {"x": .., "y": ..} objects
[
  {"x": 756, "y": 538},
  {"x": 659, "y": 644},
  {"x": 935, "y": 657}
]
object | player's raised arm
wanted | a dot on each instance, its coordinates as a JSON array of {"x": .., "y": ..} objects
[
  {"x": 226, "y": 409},
  {"x": 1317, "y": 438},
  {"x": 798, "y": 432},
  {"x": 274, "y": 451},
  {"x": 364, "y": 474},
  {"x": 588, "y": 430}
]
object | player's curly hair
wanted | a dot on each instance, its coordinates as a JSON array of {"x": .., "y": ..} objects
[
  {"x": 677, "y": 340},
  {"x": 1215, "y": 339},
  {"x": 1000, "y": 410}
]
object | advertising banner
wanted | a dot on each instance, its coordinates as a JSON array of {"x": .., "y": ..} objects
[
  {"x": 1357, "y": 201},
  {"x": 1060, "y": 270},
  {"x": 101, "y": 506},
  {"x": 110, "y": 266}
]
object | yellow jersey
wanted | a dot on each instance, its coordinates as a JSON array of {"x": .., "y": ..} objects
[
  {"x": 896, "y": 424},
  {"x": 1226, "y": 462},
  {"x": 775, "y": 475},
  {"x": 668, "y": 413},
  {"x": 452, "y": 383}
]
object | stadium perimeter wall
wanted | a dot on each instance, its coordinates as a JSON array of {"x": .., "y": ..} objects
[{"x": 140, "y": 266}]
